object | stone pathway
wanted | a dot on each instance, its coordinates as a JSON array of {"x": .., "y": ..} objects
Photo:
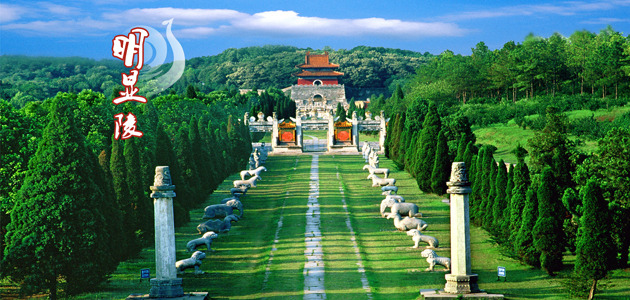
[
  {"x": 314, "y": 266},
  {"x": 361, "y": 269},
  {"x": 314, "y": 144}
]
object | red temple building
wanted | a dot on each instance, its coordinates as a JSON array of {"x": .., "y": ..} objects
[{"x": 317, "y": 70}]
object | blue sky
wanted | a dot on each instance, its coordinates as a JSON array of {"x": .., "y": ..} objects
[{"x": 86, "y": 28}]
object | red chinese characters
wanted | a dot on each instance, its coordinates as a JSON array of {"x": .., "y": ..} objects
[{"x": 127, "y": 48}]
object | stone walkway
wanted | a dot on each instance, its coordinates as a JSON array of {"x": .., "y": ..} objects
[{"x": 314, "y": 266}]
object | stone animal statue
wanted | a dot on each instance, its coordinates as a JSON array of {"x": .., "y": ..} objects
[
  {"x": 248, "y": 183},
  {"x": 403, "y": 209},
  {"x": 256, "y": 171},
  {"x": 433, "y": 259},
  {"x": 235, "y": 197},
  {"x": 374, "y": 170},
  {"x": 388, "y": 190},
  {"x": 407, "y": 223},
  {"x": 193, "y": 262},
  {"x": 239, "y": 191},
  {"x": 206, "y": 239},
  {"x": 417, "y": 237},
  {"x": 377, "y": 181},
  {"x": 217, "y": 225},
  {"x": 223, "y": 210},
  {"x": 399, "y": 207},
  {"x": 398, "y": 198}
]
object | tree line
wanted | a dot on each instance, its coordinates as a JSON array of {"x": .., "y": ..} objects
[
  {"x": 75, "y": 201},
  {"x": 583, "y": 63},
  {"x": 564, "y": 200}
]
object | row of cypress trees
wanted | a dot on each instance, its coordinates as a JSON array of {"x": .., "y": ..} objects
[
  {"x": 77, "y": 215},
  {"x": 535, "y": 216}
]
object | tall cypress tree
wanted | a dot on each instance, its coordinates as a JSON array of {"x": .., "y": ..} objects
[
  {"x": 58, "y": 232},
  {"x": 441, "y": 165},
  {"x": 548, "y": 234},
  {"x": 468, "y": 153},
  {"x": 427, "y": 144},
  {"x": 499, "y": 204},
  {"x": 596, "y": 253},
  {"x": 142, "y": 206},
  {"x": 186, "y": 161},
  {"x": 461, "y": 148},
  {"x": 519, "y": 194},
  {"x": 118, "y": 170},
  {"x": 477, "y": 184},
  {"x": 524, "y": 242},
  {"x": 492, "y": 194},
  {"x": 507, "y": 213}
]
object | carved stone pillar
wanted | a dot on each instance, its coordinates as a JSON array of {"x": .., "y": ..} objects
[
  {"x": 460, "y": 281},
  {"x": 166, "y": 284},
  {"x": 355, "y": 130},
  {"x": 383, "y": 133}
]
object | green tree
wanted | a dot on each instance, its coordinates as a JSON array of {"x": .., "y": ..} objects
[
  {"x": 548, "y": 234},
  {"x": 524, "y": 241},
  {"x": 500, "y": 203},
  {"x": 461, "y": 148},
  {"x": 426, "y": 148},
  {"x": 190, "y": 92},
  {"x": 441, "y": 166},
  {"x": 595, "y": 248},
  {"x": 64, "y": 246},
  {"x": 141, "y": 207}
]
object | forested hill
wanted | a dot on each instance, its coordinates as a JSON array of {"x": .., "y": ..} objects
[{"x": 37, "y": 78}]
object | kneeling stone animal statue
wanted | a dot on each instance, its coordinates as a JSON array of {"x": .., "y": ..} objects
[
  {"x": 217, "y": 225},
  {"x": 193, "y": 262},
  {"x": 407, "y": 223},
  {"x": 223, "y": 210},
  {"x": 433, "y": 259},
  {"x": 206, "y": 239},
  {"x": 418, "y": 237}
]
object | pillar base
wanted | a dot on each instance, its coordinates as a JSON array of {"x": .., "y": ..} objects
[
  {"x": 166, "y": 288},
  {"x": 461, "y": 284}
]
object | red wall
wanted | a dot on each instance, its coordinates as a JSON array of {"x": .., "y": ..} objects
[{"x": 302, "y": 81}]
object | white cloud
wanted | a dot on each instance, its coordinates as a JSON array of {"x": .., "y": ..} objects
[
  {"x": 289, "y": 23},
  {"x": 57, "y": 9},
  {"x": 606, "y": 21},
  {"x": 200, "y": 23},
  {"x": 181, "y": 16},
  {"x": 10, "y": 13},
  {"x": 60, "y": 28}
]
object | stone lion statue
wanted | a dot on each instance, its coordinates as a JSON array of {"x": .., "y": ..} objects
[
  {"x": 206, "y": 239},
  {"x": 193, "y": 262},
  {"x": 433, "y": 259}
]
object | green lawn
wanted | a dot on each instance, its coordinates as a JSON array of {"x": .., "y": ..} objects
[
  {"x": 394, "y": 271},
  {"x": 506, "y": 137}
]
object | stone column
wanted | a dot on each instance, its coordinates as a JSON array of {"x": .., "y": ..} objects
[
  {"x": 274, "y": 132},
  {"x": 330, "y": 137},
  {"x": 166, "y": 284},
  {"x": 355, "y": 130},
  {"x": 383, "y": 133},
  {"x": 298, "y": 131},
  {"x": 460, "y": 281}
]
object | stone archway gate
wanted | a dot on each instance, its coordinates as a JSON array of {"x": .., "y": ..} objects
[{"x": 296, "y": 145}]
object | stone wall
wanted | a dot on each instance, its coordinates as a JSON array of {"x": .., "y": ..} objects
[{"x": 305, "y": 96}]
